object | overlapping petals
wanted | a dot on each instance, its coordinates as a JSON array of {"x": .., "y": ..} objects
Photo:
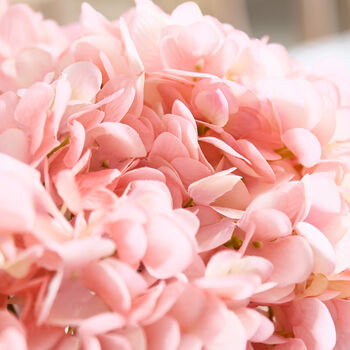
[{"x": 166, "y": 182}]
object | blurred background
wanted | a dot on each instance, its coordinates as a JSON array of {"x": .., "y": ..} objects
[{"x": 310, "y": 28}]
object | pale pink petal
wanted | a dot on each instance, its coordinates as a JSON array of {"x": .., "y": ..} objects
[
  {"x": 259, "y": 164},
  {"x": 77, "y": 141},
  {"x": 214, "y": 235},
  {"x": 113, "y": 341},
  {"x": 296, "y": 102},
  {"x": 14, "y": 217},
  {"x": 179, "y": 108},
  {"x": 163, "y": 334},
  {"x": 169, "y": 147},
  {"x": 133, "y": 57},
  {"x": 275, "y": 295},
  {"x": 304, "y": 145},
  {"x": 342, "y": 125},
  {"x": 324, "y": 255},
  {"x": 74, "y": 303},
  {"x": 232, "y": 334},
  {"x": 284, "y": 253},
  {"x": 118, "y": 141},
  {"x": 257, "y": 327},
  {"x": 169, "y": 296},
  {"x": 19, "y": 27},
  {"x": 125, "y": 234},
  {"x": 12, "y": 334},
  {"x": 223, "y": 146},
  {"x": 190, "y": 170},
  {"x": 147, "y": 22},
  {"x": 213, "y": 106},
  {"x": 77, "y": 253},
  {"x": 191, "y": 39},
  {"x": 32, "y": 64},
  {"x": 208, "y": 189},
  {"x": 229, "y": 262},
  {"x": 313, "y": 324},
  {"x": 68, "y": 190},
  {"x": 232, "y": 203},
  {"x": 102, "y": 323},
  {"x": 46, "y": 305},
  {"x": 162, "y": 259},
  {"x": 32, "y": 111},
  {"x": 15, "y": 142},
  {"x": 323, "y": 197},
  {"x": 186, "y": 13},
  {"x": 116, "y": 109},
  {"x": 92, "y": 21},
  {"x": 190, "y": 342},
  {"x": 85, "y": 80},
  {"x": 8, "y": 103},
  {"x": 270, "y": 224},
  {"x": 108, "y": 284}
]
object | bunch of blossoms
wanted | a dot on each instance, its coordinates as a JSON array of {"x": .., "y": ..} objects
[{"x": 166, "y": 182}]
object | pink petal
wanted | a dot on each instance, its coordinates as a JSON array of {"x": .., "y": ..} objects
[
  {"x": 15, "y": 143},
  {"x": 108, "y": 284},
  {"x": 73, "y": 304},
  {"x": 191, "y": 40},
  {"x": 232, "y": 334},
  {"x": 13, "y": 217},
  {"x": 8, "y": 103},
  {"x": 32, "y": 64},
  {"x": 313, "y": 324},
  {"x": 121, "y": 103},
  {"x": 259, "y": 164},
  {"x": 190, "y": 170},
  {"x": 125, "y": 234},
  {"x": 284, "y": 253},
  {"x": 102, "y": 323},
  {"x": 68, "y": 190},
  {"x": 223, "y": 146},
  {"x": 190, "y": 342},
  {"x": 169, "y": 147},
  {"x": 270, "y": 224},
  {"x": 18, "y": 27},
  {"x": 296, "y": 102},
  {"x": 85, "y": 80},
  {"x": 214, "y": 235},
  {"x": 257, "y": 327},
  {"x": 32, "y": 111},
  {"x": 179, "y": 108},
  {"x": 229, "y": 262},
  {"x": 213, "y": 106},
  {"x": 163, "y": 334},
  {"x": 187, "y": 318},
  {"x": 186, "y": 13},
  {"x": 79, "y": 252},
  {"x": 76, "y": 146},
  {"x": 12, "y": 335},
  {"x": 118, "y": 141},
  {"x": 304, "y": 145},
  {"x": 206, "y": 190},
  {"x": 323, "y": 197},
  {"x": 342, "y": 125},
  {"x": 324, "y": 255},
  {"x": 147, "y": 22},
  {"x": 162, "y": 259}
]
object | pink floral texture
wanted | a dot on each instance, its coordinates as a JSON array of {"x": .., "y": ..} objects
[{"x": 168, "y": 183}]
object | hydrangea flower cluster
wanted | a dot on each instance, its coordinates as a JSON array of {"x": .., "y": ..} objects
[{"x": 168, "y": 183}]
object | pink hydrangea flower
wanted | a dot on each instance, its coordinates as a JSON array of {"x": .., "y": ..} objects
[{"x": 168, "y": 182}]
